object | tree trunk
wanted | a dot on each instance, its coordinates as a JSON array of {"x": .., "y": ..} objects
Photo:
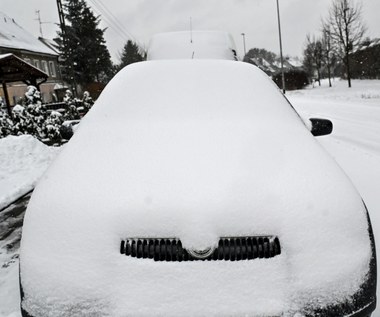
[
  {"x": 348, "y": 70},
  {"x": 329, "y": 70},
  {"x": 319, "y": 76}
]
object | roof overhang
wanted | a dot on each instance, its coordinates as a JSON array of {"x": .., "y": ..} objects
[{"x": 13, "y": 69}]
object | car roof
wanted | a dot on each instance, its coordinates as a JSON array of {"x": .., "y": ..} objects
[{"x": 221, "y": 88}]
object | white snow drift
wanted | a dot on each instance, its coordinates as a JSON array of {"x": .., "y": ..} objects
[{"x": 23, "y": 159}]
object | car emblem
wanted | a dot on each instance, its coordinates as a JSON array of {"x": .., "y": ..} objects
[{"x": 201, "y": 254}]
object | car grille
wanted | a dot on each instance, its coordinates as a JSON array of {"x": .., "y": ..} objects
[{"x": 228, "y": 249}]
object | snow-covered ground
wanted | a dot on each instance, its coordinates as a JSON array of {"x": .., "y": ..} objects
[
  {"x": 355, "y": 144},
  {"x": 23, "y": 159}
]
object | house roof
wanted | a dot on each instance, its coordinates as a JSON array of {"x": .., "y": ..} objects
[
  {"x": 14, "y": 69},
  {"x": 50, "y": 43},
  {"x": 370, "y": 44},
  {"x": 13, "y": 36},
  {"x": 273, "y": 67}
]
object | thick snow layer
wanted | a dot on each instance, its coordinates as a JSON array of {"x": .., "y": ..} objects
[
  {"x": 355, "y": 118},
  {"x": 192, "y": 45},
  {"x": 13, "y": 35},
  {"x": 209, "y": 149},
  {"x": 23, "y": 159}
]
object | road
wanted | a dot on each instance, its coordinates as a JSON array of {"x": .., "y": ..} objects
[{"x": 11, "y": 220}]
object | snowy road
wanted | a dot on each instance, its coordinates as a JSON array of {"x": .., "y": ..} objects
[
  {"x": 355, "y": 144},
  {"x": 11, "y": 220}
]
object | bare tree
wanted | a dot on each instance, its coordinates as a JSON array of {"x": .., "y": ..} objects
[
  {"x": 313, "y": 56},
  {"x": 347, "y": 29},
  {"x": 328, "y": 48}
]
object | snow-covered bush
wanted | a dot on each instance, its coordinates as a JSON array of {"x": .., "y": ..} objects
[
  {"x": 33, "y": 118},
  {"x": 21, "y": 124},
  {"x": 32, "y": 96},
  {"x": 5, "y": 124},
  {"x": 52, "y": 127},
  {"x": 87, "y": 101},
  {"x": 72, "y": 112}
]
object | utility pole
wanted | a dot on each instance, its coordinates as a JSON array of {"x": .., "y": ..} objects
[
  {"x": 191, "y": 30},
  {"x": 64, "y": 39},
  {"x": 61, "y": 17},
  {"x": 282, "y": 59}
]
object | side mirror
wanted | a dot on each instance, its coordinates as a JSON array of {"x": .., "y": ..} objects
[{"x": 320, "y": 126}]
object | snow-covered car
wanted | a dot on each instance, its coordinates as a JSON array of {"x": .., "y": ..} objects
[
  {"x": 204, "y": 194},
  {"x": 192, "y": 45}
]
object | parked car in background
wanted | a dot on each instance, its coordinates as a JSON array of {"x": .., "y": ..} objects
[
  {"x": 203, "y": 194},
  {"x": 192, "y": 45}
]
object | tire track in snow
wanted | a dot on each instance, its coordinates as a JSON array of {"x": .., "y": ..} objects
[{"x": 357, "y": 144}]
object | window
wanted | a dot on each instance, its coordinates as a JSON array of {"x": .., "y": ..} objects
[
  {"x": 45, "y": 67},
  {"x": 37, "y": 63},
  {"x": 52, "y": 69},
  {"x": 28, "y": 60}
]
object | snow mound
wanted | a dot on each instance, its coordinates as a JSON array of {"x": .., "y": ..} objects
[{"x": 23, "y": 159}]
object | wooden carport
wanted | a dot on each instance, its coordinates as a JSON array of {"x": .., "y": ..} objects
[{"x": 14, "y": 69}]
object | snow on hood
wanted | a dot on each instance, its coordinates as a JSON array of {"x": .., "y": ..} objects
[{"x": 195, "y": 150}]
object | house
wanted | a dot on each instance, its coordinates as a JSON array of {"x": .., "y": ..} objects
[
  {"x": 365, "y": 61},
  {"x": 273, "y": 67},
  {"x": 16, "y": 40}
]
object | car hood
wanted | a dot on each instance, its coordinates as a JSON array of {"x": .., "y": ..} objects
[{"x": 194, "y": 150}]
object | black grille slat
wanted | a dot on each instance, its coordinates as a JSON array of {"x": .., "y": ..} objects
[
  {"x": 228, "y": 249},
  {"x": 122, "y": 247},
  {"x": 151, "y": 249},
  {"x": 133, "y": 248},
  {"x": 249, "y": 249},
  {"x": 238, "y": 249},
  {"x": 255, "y": 251},
  {"x": 139, "y": 249},
  {"x": 276, "y": 246},
  {"x": 219, "y": 250},
  {"x": 244, "y": 250},
  {"x": 180, "y": 251},
  {"x": 232, "y": 249},
  {"x": 156, "y": 250},
  {"x": 266, "y": 249},
  {"x": 145, "y": 249}
]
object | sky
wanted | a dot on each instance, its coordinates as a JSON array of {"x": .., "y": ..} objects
[{"x": 140, "y": 19}]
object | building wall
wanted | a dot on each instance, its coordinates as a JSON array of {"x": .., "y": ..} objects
[
  {"x": 16, "y": 92},
  {"x": 46, "y": 63}
]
